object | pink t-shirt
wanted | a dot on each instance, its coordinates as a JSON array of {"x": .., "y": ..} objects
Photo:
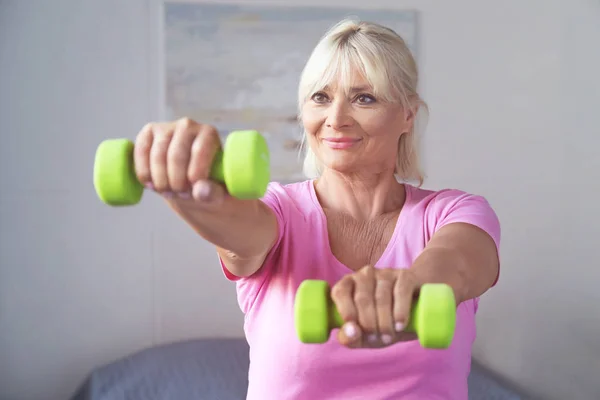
[{"x": 283, "y": 368}]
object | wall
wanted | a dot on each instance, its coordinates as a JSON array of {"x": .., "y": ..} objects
[
  {"x": 513, "y": 91},
  {"x": 82, "y": 283}
]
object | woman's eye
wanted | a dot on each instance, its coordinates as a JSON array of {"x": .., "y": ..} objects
[
  {"x": 365, "y": 99},
  {"x": 319, "y": 97}
]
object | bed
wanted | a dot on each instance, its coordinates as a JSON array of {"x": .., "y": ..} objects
[{"x": 210, "y": 369}]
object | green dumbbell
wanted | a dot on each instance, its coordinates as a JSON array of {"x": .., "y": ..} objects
[
  {"x": 242, "y": 165},
  {"x": 433, "y": 315}
]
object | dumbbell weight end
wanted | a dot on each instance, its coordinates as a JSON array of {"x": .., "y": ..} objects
[{"x": 115, "y": 180}]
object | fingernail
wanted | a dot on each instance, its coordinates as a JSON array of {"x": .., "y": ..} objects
[
  {"x": 184, "y": 195},
  {"x": 149, "y": 185},
  {"x": 386, "y": 339},
  {"x": 372, "y": 338},
  {"x": 168, "y": 195},
  {"x": 202, "y": 190},
  {"x": 350, "y": 330},
  {"x": 399, "y": 326}
]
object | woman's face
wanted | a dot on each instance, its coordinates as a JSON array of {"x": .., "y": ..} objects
[{"x": 351, "y": 131}]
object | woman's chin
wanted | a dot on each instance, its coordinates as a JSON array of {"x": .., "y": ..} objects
[{"x": 341, "y": 165}]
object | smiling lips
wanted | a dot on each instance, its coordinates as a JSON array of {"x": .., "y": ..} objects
[{"x": 340, "y": 143}]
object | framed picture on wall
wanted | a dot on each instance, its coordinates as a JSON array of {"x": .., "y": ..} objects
[{"x": 238, "y": 66}]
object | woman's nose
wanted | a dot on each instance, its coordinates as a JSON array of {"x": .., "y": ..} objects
[{"x": 339, "y": 116}]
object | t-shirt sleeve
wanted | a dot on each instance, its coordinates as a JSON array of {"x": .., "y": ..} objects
[
  {"x": 248, "y": 287},
  {"x": 456, "y": 206}
]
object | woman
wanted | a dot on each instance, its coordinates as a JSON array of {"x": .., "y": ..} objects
[{"x": 356, "y": 223}]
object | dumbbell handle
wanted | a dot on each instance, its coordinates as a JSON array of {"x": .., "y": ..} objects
[
  {"x": 336, "y": 320},
  {"x": 217, "y": 172}
]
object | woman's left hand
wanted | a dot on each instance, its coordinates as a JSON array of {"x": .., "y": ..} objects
[{"x": 376, "y": 305}]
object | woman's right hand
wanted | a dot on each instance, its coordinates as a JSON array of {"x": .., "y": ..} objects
[{"x": 175, "y": 158}]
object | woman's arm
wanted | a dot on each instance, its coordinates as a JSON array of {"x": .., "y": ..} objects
[
  {"x": 462, "y": 256},
  {"x": 378, "y": 300},
  {"x": 242, "y": 230},
  {"x": 175, "y": 159}
]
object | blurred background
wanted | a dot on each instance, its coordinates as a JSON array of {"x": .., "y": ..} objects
[{"x": 513, "y": 90}]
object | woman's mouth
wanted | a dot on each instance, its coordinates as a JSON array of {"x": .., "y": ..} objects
[{"x": 340, "y": 143}]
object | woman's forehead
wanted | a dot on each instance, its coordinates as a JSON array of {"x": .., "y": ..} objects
[
  {"x": 356, "y": 86},
  {"x": 349, "y": 75},
  {"x": 349, "y": 80}
]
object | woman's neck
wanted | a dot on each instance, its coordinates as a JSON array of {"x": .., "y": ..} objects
[{"x": 362, "y": 196}]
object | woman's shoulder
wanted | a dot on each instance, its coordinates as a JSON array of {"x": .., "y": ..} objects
[
  {"x": 436, "y": 196},
  {"x": 298, "y": 196},
  {"x": 439, "y": 203},
  {"x": 299, "y": 188},
  {"x": 439, "y": 207}
]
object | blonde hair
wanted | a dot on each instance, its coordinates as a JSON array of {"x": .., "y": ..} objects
[{"x": 384, "y": 59}]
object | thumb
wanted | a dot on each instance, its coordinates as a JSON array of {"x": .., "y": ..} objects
[
  {"x": 350, "y": 335},
  {"x": 208, "y": 192}
]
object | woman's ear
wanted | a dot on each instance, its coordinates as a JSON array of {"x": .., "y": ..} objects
[
  {"x": 410, "y": 112},
  {"x": 409, "y": 117}
]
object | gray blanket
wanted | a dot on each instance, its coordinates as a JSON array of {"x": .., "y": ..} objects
[{"x": 209, "y": 369}]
